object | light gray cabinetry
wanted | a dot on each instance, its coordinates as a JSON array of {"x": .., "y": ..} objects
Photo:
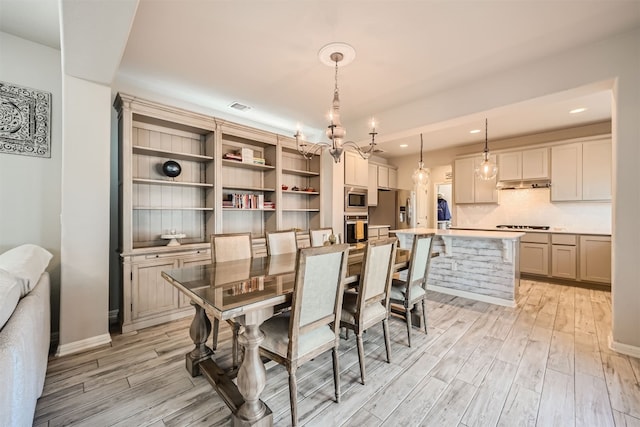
[
  {"x": 372, "y": 188},
  {"x": 523, "y": 165},
  {"x": 148, "y": 299},
  {"x": 595, "y": 258},
  {"x": 470, "y": 189},
  {"x": 534, "y": 254},
  {"x": 563, "y": 256},
  {"x": 581, "y": 171},
  {"x": 356, "y": 170},
  {"x": 376, "y": 232}
]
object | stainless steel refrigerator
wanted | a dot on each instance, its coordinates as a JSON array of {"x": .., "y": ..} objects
[{"x": 405, "y": 209}]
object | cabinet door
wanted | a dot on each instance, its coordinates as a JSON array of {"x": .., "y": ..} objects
[
  {"x": 534, "y": 258},
  {"x": 464, "y": 181},
  {"x": 596, "y": 170},
  {"x": 383, "y": 177},
  {"x": 535, "y": 163},
  {"x": 563, "y": 261},
  {"x": 372, "y": 188},
  {"x": 566, "y": 172},
  {"x": 393, "y": 178},
  {"x": 151, "y": 293},
  {"x": 356, "y": 170},
  {"x": 510, "y": 166},
  {"x": 595, "y": 258},
  {"x": 484, "y": 191}
]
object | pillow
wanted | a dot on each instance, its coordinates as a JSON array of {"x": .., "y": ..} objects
[
  {"x": 9, "y": 295},
  {"x": 27, "y": 263}
]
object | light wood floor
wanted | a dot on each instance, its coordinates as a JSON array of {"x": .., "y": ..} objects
[{"x": 544, "y": 363}]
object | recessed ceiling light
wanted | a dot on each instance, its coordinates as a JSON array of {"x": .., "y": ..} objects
[
  {"x": 577, "y": 110},
  {"x": 239, "y": 106},
  {"x": 475, "y": 131},
  {"x": 404, "y": 145}
]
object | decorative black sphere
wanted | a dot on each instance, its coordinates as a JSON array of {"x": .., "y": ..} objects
[{"x": 171, "y": 168}]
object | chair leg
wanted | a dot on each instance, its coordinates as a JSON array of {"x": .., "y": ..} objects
[
  {"x": 293, "y": 396},
  {"x": 361, "y": 356},
  {"x": 387, "y": 342},
  {"x": 336, "y": 373},
  {"x": 216, "y": 326},
  {"x": 424, "y": 314},
  {"x": 407, "y": 314}
]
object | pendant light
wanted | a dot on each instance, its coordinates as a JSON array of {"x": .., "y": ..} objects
[
  {"x": 487, "y": 169},
  {"x": 421, "y": 175}
]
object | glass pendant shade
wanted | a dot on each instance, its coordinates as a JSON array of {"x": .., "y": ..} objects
[
  {"x": 421, "y": 175},
  {"x": 487, "y": 169}
]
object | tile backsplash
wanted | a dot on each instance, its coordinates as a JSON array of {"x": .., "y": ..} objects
[{"x": 533, "y": 207}]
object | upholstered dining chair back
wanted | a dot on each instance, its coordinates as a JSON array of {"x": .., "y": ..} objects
[
  {"x": 420, "y": 260},
  {"x": 281, "y": 242},
  {"x": 319, "y": 236},
  {"x": 230, "y": 247},
  {"x": 317, "y": 296},
  {"x": 377, "y": 269}
]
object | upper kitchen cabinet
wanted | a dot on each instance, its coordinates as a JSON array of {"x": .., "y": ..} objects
[
  {"x": 524, "y": 165},
  {"x": 468, "y": 188},
  {"x": 372, "y": 188},
  {"x": 581, "y": 171},
  {"x": 356, "y": 170}
]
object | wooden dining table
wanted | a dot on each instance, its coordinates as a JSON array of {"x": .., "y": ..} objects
[{"x": 249, "y": 292}]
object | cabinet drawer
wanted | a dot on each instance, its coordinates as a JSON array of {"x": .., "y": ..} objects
[
  {"x": 535, "y": 238},
  {"x": 564, "y": 239}
]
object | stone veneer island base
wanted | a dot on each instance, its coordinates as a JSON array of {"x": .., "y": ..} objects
[{"x": 480, "y": 265}]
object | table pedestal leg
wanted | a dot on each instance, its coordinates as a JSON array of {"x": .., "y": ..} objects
[
  {"x": 252, "y": 378},
  {"x": 199, "y": 332}
]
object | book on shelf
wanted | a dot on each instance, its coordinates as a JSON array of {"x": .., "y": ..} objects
[
  {"x": 245, "y": 201},
  {"x": 259, "y": 161},
  {"x": 247, "y": 155},
  {"x": 232, "y": 156}
]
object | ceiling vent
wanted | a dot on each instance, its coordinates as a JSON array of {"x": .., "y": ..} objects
[{"x": 240, "y": 107}]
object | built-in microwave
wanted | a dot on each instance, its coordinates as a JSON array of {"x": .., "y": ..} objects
[{"x": 355, "y": 199}]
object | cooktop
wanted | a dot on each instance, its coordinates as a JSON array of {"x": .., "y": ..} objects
[{"x": 523, "y": 227}]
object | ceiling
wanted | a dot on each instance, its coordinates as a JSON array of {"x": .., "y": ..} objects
[{"x": 264, "y": 54}]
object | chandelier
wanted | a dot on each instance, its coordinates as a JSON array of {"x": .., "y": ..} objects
[
  {"x": 487, "y": 170},
  {"x": 336, "y": 53}
]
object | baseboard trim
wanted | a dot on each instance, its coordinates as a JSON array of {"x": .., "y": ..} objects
[
  {"x": 473, "y": 296},
  {"x": 82, "y": 345},
  {"x": 629, "y": 350}
]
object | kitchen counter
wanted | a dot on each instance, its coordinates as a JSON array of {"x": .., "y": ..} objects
[
  {"x": 554, "y": 230},
  {"x": 476, "y": 264},
  {"x": 378, "y": 226}
]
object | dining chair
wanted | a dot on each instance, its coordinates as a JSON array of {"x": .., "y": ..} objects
[
  {"x": 312, "y": 325},
  {"x": 370, "y": 305},
  {"x": 281, "y": 242},
  {"x": 413, "y": 289},
  {"x": 319, "y": 236},
  {"x": 230, "y": 247}
]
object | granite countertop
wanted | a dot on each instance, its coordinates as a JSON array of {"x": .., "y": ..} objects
[
  {"x": 553, "y": 230},
  {"x": 474, "y": 234}
]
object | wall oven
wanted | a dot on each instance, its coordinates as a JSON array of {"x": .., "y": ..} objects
[
  {"x": 355, "y": 199},
  {"x": 356, "y": 228}
]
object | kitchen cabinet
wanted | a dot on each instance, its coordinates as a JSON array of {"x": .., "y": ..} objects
[
  {"x": 470, "y": 189},
  {"x": 376, "y": 232},
  {"x": 581, "y": 171},
  {"x": 372, "y": 188},
  {"x": 534, "y": 254},
  {"x": 563, "y": 256},
  {"x": 356, "y": 170},
  {"x": 393, "y": 178},
  {"x": 523, "y": 165},
  {"x": 383, "y": 176},
  {"x": 595, "y": 258}
]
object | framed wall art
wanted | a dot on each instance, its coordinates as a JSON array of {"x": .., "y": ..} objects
[{"x": 25, "y": 121}]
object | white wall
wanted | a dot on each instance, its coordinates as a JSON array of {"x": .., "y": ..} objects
[
  {"x": 84, "y": 295},
  {"x": 30, "y": 186}
]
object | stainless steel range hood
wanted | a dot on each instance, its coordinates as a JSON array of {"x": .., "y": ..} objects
[{"x": 523, "y": 185}]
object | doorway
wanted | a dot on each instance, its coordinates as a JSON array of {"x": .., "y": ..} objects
[{"x": 442, "y": 205}]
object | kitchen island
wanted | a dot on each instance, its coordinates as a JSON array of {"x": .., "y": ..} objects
[{"x": 480, "y": 265}]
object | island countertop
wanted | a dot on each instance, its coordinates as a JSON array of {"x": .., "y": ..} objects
[{"x": 474, "y": 234}]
